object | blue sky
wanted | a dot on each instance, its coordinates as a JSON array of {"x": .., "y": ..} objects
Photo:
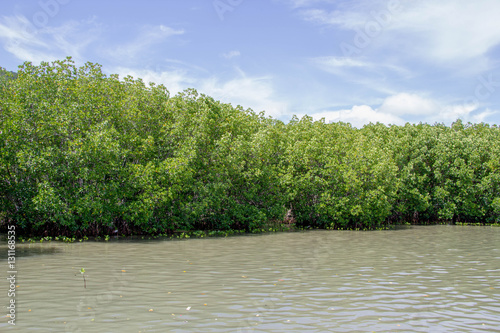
[{"x": 358, "y": 61}]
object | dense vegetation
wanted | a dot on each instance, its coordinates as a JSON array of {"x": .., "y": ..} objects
[
  {"x": 82, "y": 153},
  {"x": 7, "y": 75}
]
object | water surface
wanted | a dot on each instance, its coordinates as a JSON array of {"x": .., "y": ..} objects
[{"x": 419, "y": 279}]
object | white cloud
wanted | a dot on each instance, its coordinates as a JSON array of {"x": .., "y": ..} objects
[
  {"x": 431, "y": 110},
  {"x": 450, "y": 113},
  {"x": 20, "y": 41},
  {"x": 231, "y": 54},
  {"x": 409, "y": 104},
  {"x": 147, "y": 36},
  {"x": 346, "y": 65},
  {"x": 482, "y": 117},
  {"x": 444, "y": 31},
  {"x": 369, "y": 75},
  {"x": 333, "y": 63},
  {"x": 343, "y": 19},
  {"x": 305, "y": 3},
  {"x": 256, "y": 93},
  {"x": 49, "y": 43},
  {"x": 27, "y": 43},
  {"x": 16, "y": 28},
  {"x": 450, "y": 29},
  {"x": 358, "y": 116},
  {"x": 397, "y": 107},
  {"x": 165, "y": 31}
]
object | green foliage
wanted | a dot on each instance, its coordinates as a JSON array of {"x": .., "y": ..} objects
[
  {"x": 6, "y": 75},
  {"x": 446, "y": 173},
  {"x": 335, "y": 174},
  {"x": 82, "y": 153}
]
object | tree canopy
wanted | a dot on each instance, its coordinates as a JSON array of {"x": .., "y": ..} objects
[{"x": 86, "y": 153}]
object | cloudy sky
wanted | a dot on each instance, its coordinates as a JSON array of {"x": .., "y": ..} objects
[{"x": 357, "y": 61}]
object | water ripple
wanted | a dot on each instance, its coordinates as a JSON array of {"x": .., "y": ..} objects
[{"x": 421, "y": 279}]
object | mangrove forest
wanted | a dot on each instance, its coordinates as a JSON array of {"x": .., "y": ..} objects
[{"x": 85, "y": 153}]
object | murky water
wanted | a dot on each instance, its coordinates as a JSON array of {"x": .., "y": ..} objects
[{"x": 420, "y": 279}]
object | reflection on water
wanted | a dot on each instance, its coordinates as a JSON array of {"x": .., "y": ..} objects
[
  {"x": 28, "y": 250},
  {"x": 421, "y": 279}
]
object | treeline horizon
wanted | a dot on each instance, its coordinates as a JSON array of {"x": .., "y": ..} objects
[{"x": 86, "y": 154}]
